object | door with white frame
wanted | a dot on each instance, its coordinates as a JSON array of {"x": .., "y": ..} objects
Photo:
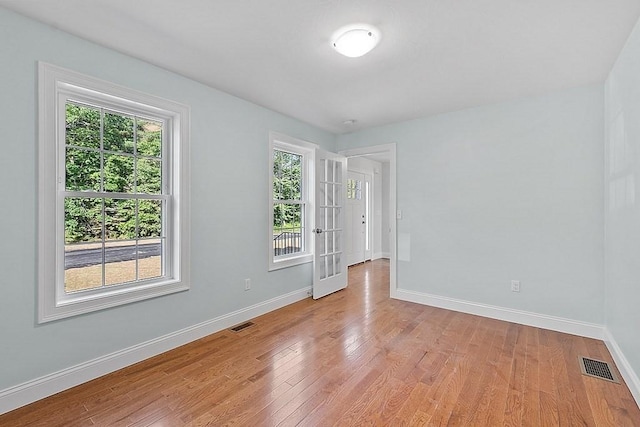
[
  {"x": 383, "y": 154},
  {"x": 358, "y": 217},
  {"x": 329, "y": 261}
]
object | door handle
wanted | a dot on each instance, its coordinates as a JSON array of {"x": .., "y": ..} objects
[{"x": 318, "y": 230}]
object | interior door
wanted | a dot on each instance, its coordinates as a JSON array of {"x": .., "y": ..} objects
[
  {"x": 356, "y": 217},
  {"x": 329, "y": 263}
]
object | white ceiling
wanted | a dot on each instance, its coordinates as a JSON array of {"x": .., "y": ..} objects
[{"x": 434, "y": 56}]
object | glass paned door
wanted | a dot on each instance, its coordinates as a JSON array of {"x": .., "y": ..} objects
[{"x": 330, "y": 267}]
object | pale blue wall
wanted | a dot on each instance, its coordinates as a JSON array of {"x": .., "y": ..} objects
[
  {"x": 502, "y": 192},
  {"x": 490, "y": 194},
  {"x": 229, "y": 149},
  {"x": 622, "y": 211}
]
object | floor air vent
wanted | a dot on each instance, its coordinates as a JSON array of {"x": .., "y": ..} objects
[
  {"x": 598, "y": 369},
  {"x": 241, "y": 327}
]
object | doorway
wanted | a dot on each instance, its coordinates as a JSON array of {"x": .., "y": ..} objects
[
  {"x": 382, "y": 210},
  {"x": 360, "y": 227}
]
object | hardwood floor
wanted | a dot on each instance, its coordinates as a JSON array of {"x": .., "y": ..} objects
[{"x": 355, "y": 357}]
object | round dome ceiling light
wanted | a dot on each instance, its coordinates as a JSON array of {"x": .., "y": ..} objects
[{"x": 356, "y": 40}]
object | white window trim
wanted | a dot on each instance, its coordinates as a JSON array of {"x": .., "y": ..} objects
[
  {"x": 308, "y": 150},
  {"x": 54, "y": 85}
]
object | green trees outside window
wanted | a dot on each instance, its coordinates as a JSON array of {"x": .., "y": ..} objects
[
  {"x": 113, "y": 198},
  {"x": 288, "y": 206},
  {"x": 111, "y": 152}
]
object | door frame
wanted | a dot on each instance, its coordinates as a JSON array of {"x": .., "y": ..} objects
[{"x": 390, "y": 150}]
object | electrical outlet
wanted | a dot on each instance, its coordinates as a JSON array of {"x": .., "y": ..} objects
[
  {"x": 247, "y": 284},
  {"x": 515, "y": 286}
]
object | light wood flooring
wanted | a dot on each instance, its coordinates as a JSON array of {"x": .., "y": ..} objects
[{"x": 356, "y": 358}]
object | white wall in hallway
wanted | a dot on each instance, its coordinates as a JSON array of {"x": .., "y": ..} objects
[{"x": 385, "y": 249}]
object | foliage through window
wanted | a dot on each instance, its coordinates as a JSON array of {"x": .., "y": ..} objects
[
  {"x": 113, "y": 200},
  {"x": 113, "y": 191},
  {"x": 290, "y": 193},
  {"x": 288, "y": 206},
  {"x": 354, "y": 189}
]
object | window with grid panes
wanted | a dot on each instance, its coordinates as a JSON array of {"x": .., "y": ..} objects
[
  {"x": 290, "y": 210},
  {"x": 114, "y": 206},
  {"x": 114, "y": 223}
]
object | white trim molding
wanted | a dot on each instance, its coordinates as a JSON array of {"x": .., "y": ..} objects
[
  {"x": 39, "y": 388},
  {"x": 624, "y": 367},
  {"x": 560, "y": 324}
]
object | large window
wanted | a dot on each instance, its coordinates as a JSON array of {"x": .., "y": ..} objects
[
  {"x": 290, "y": 194},
  {"x": 113, "y": 195}
]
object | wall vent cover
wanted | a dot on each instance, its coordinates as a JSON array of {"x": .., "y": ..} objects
[
  {"x": 238, "y": 328},
  {"x": 598, "y": 369}
]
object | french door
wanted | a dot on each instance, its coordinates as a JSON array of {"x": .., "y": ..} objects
[{"x": 329, "y": 261}]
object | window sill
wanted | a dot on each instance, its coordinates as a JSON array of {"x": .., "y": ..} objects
[
  {"x": 81, "y": 304},
  {"x": 290, "y": 262}
]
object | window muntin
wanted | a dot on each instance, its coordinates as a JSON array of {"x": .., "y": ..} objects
[
  {"x": 290, "y": 209},
  {"x": 288, "y": 204},
  {"x": 114, "y": 230},
  {"x": 114, "y": 177}
]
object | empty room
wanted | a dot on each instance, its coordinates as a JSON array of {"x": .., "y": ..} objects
[{"x": 320, "y": 212}]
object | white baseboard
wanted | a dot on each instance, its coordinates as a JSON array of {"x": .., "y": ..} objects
[
  {"x": 623, "y": 365},
  {"x": 528, "y": 318},
  {"x": 379, "y": 255},
  {"x": 39, "y": 388},
  {"x": 553, "y": 323}
]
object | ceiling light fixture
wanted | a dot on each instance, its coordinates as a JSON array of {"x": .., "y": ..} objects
[{"x": 356, "y": 40}]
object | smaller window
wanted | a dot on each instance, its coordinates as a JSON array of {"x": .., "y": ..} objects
[
  {"x": 354, "y": 189},
  {"x": 288, "y": 204},
  {"x": 290, "y": 211}
]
